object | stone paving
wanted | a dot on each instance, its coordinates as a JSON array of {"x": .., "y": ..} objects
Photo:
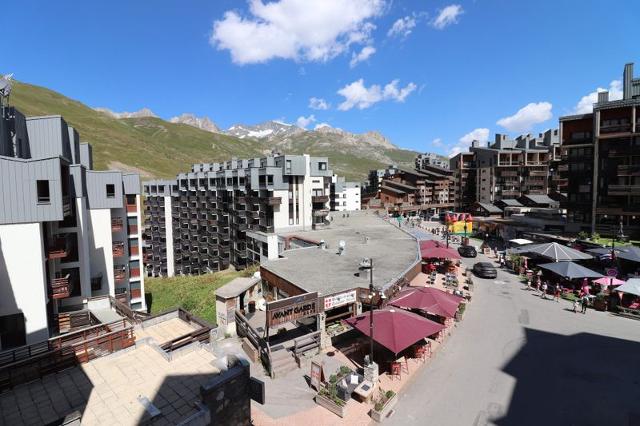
[
  {"x": 165, "y": 331},
  {"x": 106, "y": 390}
]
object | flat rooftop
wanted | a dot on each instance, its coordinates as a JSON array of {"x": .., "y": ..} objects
[{"x": 312, "y": 269}]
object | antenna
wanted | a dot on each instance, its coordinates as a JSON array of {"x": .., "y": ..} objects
[{"x": 5, "y": 89}]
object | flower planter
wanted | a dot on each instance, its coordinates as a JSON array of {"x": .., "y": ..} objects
[
  {"x": 379, "y": 416},
  {"x": 339, "y": 410}
]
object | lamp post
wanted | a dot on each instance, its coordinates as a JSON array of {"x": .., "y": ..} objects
[
  {"x": 367, "y": 264},
  {"x": 620, "y": 237}
]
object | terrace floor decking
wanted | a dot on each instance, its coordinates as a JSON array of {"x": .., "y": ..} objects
[{"x": 165, "y": 331}]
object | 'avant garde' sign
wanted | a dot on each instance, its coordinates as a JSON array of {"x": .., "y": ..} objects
[{"x": 292, "y": 308}]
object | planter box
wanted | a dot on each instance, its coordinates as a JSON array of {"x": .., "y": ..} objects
[
  {"x": 331, "y": 406},
  {"x": 379, "y": 416}
]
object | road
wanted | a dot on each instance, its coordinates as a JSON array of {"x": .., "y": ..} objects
[{"x": 517, "y": 359}]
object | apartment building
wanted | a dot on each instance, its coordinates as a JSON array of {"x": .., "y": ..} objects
[
  {"x": 431, "y": 159},
  {"x": 223, "y": 214},
  {"x": 427, "y": 191},
  {"x": 376, "y": 176},
  {"x": 345, "y": 196},
  {"x": 600, "y": 169},
  {"x": 505, "y": 169},
  {"x": 67, "y": 232}
]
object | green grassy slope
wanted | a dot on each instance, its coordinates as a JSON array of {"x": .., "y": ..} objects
[{"x": 156, "y": 148}]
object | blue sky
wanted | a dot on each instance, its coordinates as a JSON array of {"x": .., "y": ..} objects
[{"x": 450, "y": 71}]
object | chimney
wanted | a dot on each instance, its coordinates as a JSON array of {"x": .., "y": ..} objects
[
  {"x": 627, "y": 77},
  {"x": 603, "y": 97}
]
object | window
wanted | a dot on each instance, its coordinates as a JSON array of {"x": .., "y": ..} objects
[
  {"x": 12, "y": 331},
  {"x": 43, "y": 191},
  {"x": 111, "y": 190},
  {"x": 322, "y": 166},
  {"x": 288, "y": 166}
]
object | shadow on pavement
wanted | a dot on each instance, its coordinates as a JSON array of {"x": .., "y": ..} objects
[{"x": 583, "y": 379}]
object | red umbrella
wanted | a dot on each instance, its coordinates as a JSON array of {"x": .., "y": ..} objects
[
  {"x": 427, "y": 244},
  {"x": 439, "y": 253},
  {"x": 396, "y": 329},
  {"x": 609, "y": 281},
  {"x": 428, "y": 299}
]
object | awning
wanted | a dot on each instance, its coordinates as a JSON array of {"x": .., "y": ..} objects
[
  {"x": 553, "y": 251},
  {"x": 520, "y": 241},
  {"x": 439, "y": 253},
  {"x": 428, "y": 299},
  {"x": 570, "y": 270},
  {"x": 632, "y": 286},
  {"x": 395, "y": 329}
]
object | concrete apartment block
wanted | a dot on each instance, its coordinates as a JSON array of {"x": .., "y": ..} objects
[
  {"x": 229, "y": 213},
  {"x": 67, "y": 232}
]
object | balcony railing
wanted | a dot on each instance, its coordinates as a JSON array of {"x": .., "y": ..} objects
[
  {"x": 132, "y": 208},
  {"x": 119, "y": 273},
  {"x": 134, "y": 251},
  {"x": 273, "y": 201},
  {"x": 60, "y": 287},
  {"x": 118, "y": 249},
  {"x": 623, "y": 189},
  {"x": 321, "y": 212},
  {"x": 319, "y": 198},
  {"x": 134, "y": 272},
  {"x": 58, "y": 249},
  {"x": 66, "y": 205},
  {"x": 629, "y": 170},
  {"x": 132, "y": 229}
]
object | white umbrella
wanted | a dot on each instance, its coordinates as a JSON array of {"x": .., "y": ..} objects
[
  {"x": 632, "y": 286},
  {"x": 554, "y": 251}
]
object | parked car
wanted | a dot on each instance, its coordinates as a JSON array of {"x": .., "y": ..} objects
[
  {"x": 485, "y": 270},
  {"x": 467, "y": 251}
]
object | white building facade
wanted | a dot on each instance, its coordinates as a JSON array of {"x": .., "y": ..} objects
[{"x": 345, "y": 196}]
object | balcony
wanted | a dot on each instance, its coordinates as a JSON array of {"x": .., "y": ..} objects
[
  {"x": 319, "y": 198},
  {"x": 119, "y": 273},
  {"x": 273, "y": 201},
  {"x": 60, "y": 287},
  {"x": 131, "y": 208},
  {"x": 266, "y": 228},
  {"x": 58, "y": 249},
  {"x": 66, "y": 205},
  {"x": 320, "y": 213},
  {"x": 623, "y": 189},
  {"x": 134, "y": 273},
  {"x": 542, "y": 173},
  {"x": 615, "y": 128},
  {"x": 132, "y": 229},
  {"x": 563, "y": 168},
  {"x": 134, "y": 251},
  {"x": 629, "y": 170},
  {"x": 117, "y": 248}
]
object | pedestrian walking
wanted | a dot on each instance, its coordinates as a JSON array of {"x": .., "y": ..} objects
[
  {"x": 544, "y": 290},
  {"x": 557, "y": 292},
  {"x": 585, "y": 302},
  {"x": 537, "y": 285},
  {"x": 575, "y": 306}
]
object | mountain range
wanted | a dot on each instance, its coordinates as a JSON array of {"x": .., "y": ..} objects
[{"x": 142, "y": 142}]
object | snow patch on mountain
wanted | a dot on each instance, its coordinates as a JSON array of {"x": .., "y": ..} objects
[{"x": 144, "y": 112}]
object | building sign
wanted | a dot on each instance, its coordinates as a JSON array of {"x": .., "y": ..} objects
[
  {"x": 292, "y": 308},
  {"x": 317, "y": 375},
  {"x": 340, "y": 299},
  {"x": 612, "y": 272}
]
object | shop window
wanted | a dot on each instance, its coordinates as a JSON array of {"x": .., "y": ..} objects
[{"x": 42, "y": 187}]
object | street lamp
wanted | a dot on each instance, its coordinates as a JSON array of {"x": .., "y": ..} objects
[
  {"x": 367, "y": 264},
  {"x": 620, "y": 237}
]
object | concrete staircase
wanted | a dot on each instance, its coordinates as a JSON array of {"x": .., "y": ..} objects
[{"x": 282, "y": 361}]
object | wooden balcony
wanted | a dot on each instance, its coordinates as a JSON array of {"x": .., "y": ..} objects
[
  {"x": 131, "y": 208},
  {"x": 58, "y": 249},
  {"x": 60, "y": 287},
  {"x": 623, "y": 189},
  {"x": 629, "y": 170},
  {"x": 321, "y": 212},
  {"x": 119, "y": 273},
  {"x": 273, "y": 201},
  {"x": 118, "y": 249},
  {"x": 319, "y": 198},
  {"x": 134, "y": 250},
  {"x": 117, "y": 224},
  {"x": 132, "y": 229},
  {"x": 123, "y": 297},
  {"x": 134, "y": 272}
]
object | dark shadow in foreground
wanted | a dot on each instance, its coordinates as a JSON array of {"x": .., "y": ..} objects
[{"x": 584, "y": 379}]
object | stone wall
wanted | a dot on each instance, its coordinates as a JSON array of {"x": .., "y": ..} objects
[{"x": 228, "y": 395}]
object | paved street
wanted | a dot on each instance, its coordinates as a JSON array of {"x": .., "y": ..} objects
[{"x": 517, "y": 359}]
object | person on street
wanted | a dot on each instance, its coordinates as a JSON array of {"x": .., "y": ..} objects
[
  {"x": 537, "y": 285},
  {"x": 585, "y": 302},
  {"x": 557, "y": 292},
  {"x": 575, "y": 306},
  {"x": 544, "y": 290}
]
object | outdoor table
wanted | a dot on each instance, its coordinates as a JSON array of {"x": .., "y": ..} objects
[{"x": 364, "y": 391}]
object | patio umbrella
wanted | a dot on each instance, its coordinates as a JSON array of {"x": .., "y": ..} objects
[
  {"x": 439, "y": 253},
  {"x": 632, "y": 286},
  {"x": 425, "y": 244},
  {"x": 428, "y": 299},
  {"x": 630, "y": 253},
  {"x": 609, "y": 281},
  {"x": 553, "y": 251},
  {"x": 570, "y": 270},
  {"x": 395, "y": 329}
]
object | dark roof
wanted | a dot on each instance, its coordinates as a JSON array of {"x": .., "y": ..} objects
[
  {"x": 511, "y": 202},
  {"x": 540, "y": 199},
  {"x": 490, "y": 207},
  {"x": 388, "y": 188}
]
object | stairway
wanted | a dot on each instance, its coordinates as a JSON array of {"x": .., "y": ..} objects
[{"x": 282, "y": 361}]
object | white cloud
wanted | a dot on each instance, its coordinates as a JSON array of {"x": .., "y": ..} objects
[
  {"x": 480, "y": 134},
  {"x": 585, "y": 105},
  {"x": 527, "y": 117},
  {"x": 302, "y": 30},
  {"x": 402, "y": 27},
  {"x": 303, "y": 121},
  {"x": 364, "y": 54},
  {"x": 319, "y": 103},
  {"x": 447, "y": 16},
  {"x": 359, "y": 96},
  {"x": 437, "y": 142}
]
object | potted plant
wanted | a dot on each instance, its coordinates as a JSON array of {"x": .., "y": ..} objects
[
  {"x": 328, "y": 395},
  {"x": 383, "y": 405},
  {"x": 600, "y": 302},
  {"x": 460, "y": 312}
]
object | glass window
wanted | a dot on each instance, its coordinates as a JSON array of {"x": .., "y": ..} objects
[
  {"x": 43, "y": 191},
  {"x": 111, "y": 190}
]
